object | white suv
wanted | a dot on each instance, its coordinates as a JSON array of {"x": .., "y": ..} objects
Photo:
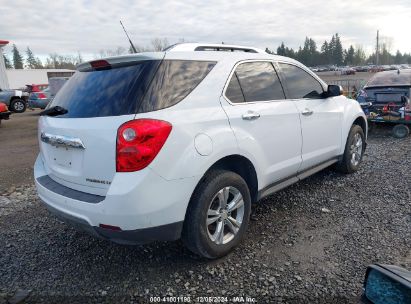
[{"x": 180, "y": 143}]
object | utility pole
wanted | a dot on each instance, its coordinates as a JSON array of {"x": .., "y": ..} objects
[{"x": 378, "y": 49}]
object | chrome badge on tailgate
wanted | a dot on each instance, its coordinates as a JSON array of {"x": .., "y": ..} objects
[{"x": 62, "y": 141}]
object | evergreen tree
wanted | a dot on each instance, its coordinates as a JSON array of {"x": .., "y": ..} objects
[
  {"x": 31, "y": 62},
  {"x": 398, "y": 58},
  {"x": 359, "y": 56},
  {"x": 327, "y": 52},
  {"x": 338, "y": 51},
  {"x": 349, "y": 56},
  {"x": 281, "y": 50},
  {"x": 17, "y": 58}
]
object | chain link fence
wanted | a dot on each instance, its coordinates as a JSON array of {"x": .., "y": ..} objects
[{"x": 350, "y": 86}]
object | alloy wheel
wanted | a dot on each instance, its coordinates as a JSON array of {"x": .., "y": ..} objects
[
  {"x": 356, "y": 149},
  {"x": 225, "y": 215}
]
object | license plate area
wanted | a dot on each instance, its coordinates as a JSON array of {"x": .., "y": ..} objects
[{"x": 65, "y": 160}]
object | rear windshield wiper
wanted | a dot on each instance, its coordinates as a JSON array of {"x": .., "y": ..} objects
[{"x": 54, "y": 111}]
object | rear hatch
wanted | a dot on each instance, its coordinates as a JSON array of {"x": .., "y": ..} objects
[
  {"x": 78, "y": 148},
  {"x": 78, "y": 145},
  {"x": 386, "y": 95}
]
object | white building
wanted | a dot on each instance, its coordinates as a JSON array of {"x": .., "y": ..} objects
[
  {"x": 19, "y": 78},
  {"x": 4, "y": 84}
]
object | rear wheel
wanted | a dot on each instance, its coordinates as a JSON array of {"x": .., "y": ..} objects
[
  {"x": 218, "y": 214},
  {"x": 18, "y": 105},
  {"x": 400, "y": 131},
  {"x": 354, "y": 150}
]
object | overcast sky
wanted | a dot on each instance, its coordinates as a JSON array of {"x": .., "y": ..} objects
[{"x": 88, "y": 26}]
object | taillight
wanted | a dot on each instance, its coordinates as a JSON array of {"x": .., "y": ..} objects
[
  {"x": 41, "y": 95},
  {"x": 138, "y": 143}
]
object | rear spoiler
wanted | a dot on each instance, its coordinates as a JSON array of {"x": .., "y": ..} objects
[{"x": 124, "y": 60}]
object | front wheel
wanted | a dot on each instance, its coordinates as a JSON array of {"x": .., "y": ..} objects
[
  {"x": 218, "y": 214},
  {"x": 354, "y": 151},
  {"x": 18, "y": 105}
]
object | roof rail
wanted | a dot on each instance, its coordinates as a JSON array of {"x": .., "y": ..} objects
[{"x": 187, "y": 47}]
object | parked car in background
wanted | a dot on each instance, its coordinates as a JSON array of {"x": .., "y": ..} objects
[
  {"x": 36, "y": 87},
  {"x": 15, "y": 100},
  {"x": 386, "y": 87},
  {"x": 347, "y": 71},
  {"x": 4, "y": 112},
  {"x": 39, "y": 99},
  {"x": 386, "y": 99},
  {"x": 158, "y": 146}
]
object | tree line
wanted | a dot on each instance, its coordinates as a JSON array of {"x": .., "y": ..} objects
[
  {"x": 57, "y": 61},
  {"x": 30, "y": 61},
  {"x": 332, "y": 53}
]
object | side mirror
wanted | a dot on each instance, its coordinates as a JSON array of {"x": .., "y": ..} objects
[
  {"x": 386, "y": 284},
  {"x": 334, "y": 90}
]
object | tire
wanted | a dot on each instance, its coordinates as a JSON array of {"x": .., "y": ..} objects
[
  {"x": 400, "y": 131},
  {"x": 18, "y": 106},
  {"x": 350, "y": 163},
  {"x": 205, "y": 206}
]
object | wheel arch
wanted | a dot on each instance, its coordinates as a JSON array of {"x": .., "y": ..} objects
[
  {"x": 242, "y": 166},
  {"x": 360, "y": 121},
  {"x": 14, "y": 98}
]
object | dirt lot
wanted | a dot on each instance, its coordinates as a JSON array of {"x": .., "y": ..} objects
[
  {"x": 308, "y": 243},
  {"x": 18, "y": 149}
]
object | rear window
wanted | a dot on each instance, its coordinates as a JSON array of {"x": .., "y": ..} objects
[
  {"x": 390, "y": 79},
  {"x": 143, "y": 87}
]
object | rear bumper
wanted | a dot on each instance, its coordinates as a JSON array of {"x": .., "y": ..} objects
[
  {"x": 5, "y": 115},
  {"x": 169, "y": 232},
  {"x": 144, "y": 206}
]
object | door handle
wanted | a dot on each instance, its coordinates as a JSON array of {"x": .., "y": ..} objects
[
  {"x": 307, "y": 112},
  {"x": 250, "y": 115}
]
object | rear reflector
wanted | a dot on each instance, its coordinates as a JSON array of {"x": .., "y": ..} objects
[
  {"x": 138, "y": 143},
  {"x": 100, "y": 64},
  {"x": 109, "y": 227}
]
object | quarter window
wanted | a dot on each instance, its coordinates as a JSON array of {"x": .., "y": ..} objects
[
  {"x": 300, "y": 84},
  {"x": 174, "y": 80},
  {"x": 234, "y": 92},
  {"x": 254, "y": 81}
]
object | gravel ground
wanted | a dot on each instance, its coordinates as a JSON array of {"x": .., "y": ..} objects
[{"x": 309, "y": 243}]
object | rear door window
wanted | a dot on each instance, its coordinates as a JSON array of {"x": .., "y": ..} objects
[
  {"x": 256, "y": 81},
  {"x": 299, "y": 83}
]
